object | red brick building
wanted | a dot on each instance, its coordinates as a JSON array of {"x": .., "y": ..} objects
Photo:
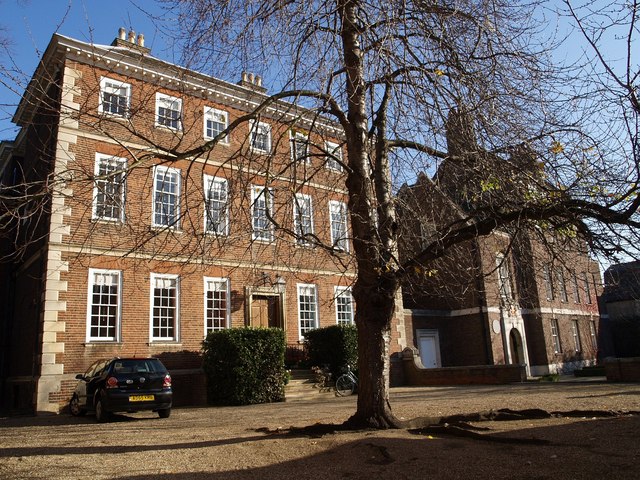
[
  {"x": 516, "y": 296},
  {"x": 142, "y": 242}
]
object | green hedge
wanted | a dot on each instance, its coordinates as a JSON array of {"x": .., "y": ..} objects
[
  {"x": 335, "y": 346},
  {"x": 244, "y": 366}
]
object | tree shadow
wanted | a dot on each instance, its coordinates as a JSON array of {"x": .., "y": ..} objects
[{"x": 592, "y": 449}]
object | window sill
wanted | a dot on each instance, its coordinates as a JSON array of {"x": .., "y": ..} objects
[
  {"x": 101, "y": 343},
  {"x": 114, "y": 116},
  {"x": 225, "y": 143},
  {"x": 266, "y": 241},
  {"x": 211, "y": 233},
  {"x": 165, "y": 228},
  {"x": 107, "y": 221},
  {"x": 164, "y": 343},
  {"x": 170, "y": 129},
  {"x": 259, "y": 152}
]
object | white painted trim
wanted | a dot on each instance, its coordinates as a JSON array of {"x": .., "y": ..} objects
[
  {"x": 88, "y": 337},
  {"x": 471, "y": 311},
  {"x": 429, "y": 332},
  {"x": 176, "y": 327},
  {"x": 206, "y": 281}
]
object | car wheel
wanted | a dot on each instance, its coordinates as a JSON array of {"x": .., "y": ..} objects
[
  {"x": 101, "y": 414},
  {"x": 74, "y": 407},
  {"x": 164, "y": 413}
]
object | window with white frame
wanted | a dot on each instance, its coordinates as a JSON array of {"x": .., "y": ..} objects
[
  {"x": 344, "y": 305},
  {"x": 103, "y": 306},
  {"x": 261, "y": 210},
  {"x": 428, "y": 233},
  {"x": 575, "y": 331},
  {"x": 216, "y": 304},
  {"x": 166, "y": 197},
  {"x": 562, "y": 287},
  {"x": 168, "y": 111},
  {"x": 115, "y": 97},
  {"x": 504, "y": 279},
  {"x": 300, "y": 147},
  {"x": 333, "y": 159},
  {"x": 260, "y": 136},
  {"x": 587, "y": 289},
  {"x": 548, "y": 282},
  {"x": 555, "y": 336},
  {"x": 338, "y": 219},
  {"x": 215, "y": 122},
  {"x": 164, "y": 307},
  {"x": 576, "y": 288},
  {"x": 216, "y": 213},
  {"x": 307, "y": 308},
  {"x": 303, "y": 218},
  {"x": 594, "y": 335},
  {"x": 109, "y": 188}
]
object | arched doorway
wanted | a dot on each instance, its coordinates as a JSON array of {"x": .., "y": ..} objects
[{"x": 515, "y": 347}]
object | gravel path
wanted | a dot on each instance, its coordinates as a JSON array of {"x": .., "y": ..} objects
[{"x": 251, "y": 442}]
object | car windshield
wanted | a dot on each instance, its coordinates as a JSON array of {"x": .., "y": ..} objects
[{"x": 147, "y": 365}]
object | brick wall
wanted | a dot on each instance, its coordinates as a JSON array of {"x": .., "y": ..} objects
[
  {"x": 463, "y": 375},
  {"x": 622, "y": 369}
]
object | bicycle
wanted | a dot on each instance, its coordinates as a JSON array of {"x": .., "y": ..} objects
[{"x": 346, "y": 383}]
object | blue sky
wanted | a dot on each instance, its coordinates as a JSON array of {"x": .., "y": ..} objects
[{"x": 29, "y": 24}]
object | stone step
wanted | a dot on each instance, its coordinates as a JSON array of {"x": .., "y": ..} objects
[{"x": 303, "y": 385}]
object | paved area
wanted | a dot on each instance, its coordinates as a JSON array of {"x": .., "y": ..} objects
[{"x": 254, "y": 442}]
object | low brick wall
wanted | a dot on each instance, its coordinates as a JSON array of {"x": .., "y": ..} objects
[
  {"x": 622, "y": 369},
  {"x": 189, "y": 387},
  {"x": 416, "y": 374}
]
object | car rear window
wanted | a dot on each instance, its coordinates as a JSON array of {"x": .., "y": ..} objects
[{"x": 147, "y": 365}]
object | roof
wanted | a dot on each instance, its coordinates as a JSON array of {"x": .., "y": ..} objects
[{"x": 622, "y": 282}]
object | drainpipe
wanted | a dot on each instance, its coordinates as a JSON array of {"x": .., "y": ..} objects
[{"x": 503, "y": 335}]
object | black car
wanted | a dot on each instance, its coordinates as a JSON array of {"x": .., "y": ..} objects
[{"x": 123, "y": 385}]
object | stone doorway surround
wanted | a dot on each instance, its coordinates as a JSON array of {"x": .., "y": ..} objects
[{"x": 265, "y": 300}]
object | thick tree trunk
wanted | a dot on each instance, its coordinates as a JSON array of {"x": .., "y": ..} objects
[
  {"x": 376, "y": 286},
  {"x": 373, "y": 320}
]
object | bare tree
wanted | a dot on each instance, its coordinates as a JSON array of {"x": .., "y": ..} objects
[
  {"x": 391, "y": 74},
  {"x": 465, "y": 88},
  {"x": 604, "y": 89}
]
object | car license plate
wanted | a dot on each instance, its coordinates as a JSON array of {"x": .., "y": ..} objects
[{"x": 141, "y": 398}]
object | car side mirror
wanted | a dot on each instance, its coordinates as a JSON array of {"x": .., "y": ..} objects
[{"x": 79, "y": 377}]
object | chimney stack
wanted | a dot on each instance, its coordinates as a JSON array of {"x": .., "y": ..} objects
[
  {"x": 252, "y": 81},
  {"x": 129, "y": 40}
]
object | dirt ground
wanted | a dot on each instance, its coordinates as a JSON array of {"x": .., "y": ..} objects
[{"x": 254, "y": 442}]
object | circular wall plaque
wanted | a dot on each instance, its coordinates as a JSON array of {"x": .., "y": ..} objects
[{"x": 496, "y": 326}]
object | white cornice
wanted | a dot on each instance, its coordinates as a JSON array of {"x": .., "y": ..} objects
[
  {"x": 132, "y": 63},
  {"x": 477, "y": 310},
  {"x": 188, "y": 261}
]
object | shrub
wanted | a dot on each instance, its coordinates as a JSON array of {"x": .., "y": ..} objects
[
  {"x": 244, "y": 366},
  {"x": 335, "y": 346}
]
